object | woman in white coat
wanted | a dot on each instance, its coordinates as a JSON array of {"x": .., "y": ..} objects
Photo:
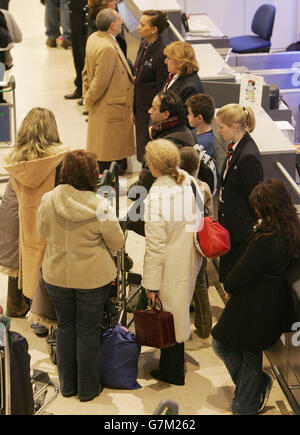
[{"x": 171, "y": 263}]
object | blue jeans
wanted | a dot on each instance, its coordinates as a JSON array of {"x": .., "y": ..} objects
[
  {"x": 79, "y": 314},
  {"x": 53, "y": 20},
  {"x": 245, "y": 369}
]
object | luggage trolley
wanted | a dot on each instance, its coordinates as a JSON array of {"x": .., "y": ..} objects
[
  {"x": 40, "y": 380},
  {"x": 127, "y": 284}
]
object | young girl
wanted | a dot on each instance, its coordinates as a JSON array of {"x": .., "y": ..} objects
[
  {"x": 203, "y": 316},
  {"x": 167, "y": 272}
]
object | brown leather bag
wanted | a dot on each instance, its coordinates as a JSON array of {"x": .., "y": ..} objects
[{"x": 154, "y": 327}]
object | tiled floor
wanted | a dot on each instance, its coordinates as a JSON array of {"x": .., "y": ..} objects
[{"x": 43, "y": 75}]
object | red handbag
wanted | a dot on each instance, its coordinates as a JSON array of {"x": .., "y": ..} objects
[
  {"x": 212, "y": 240},
  {"x": 154, "y": 327}
]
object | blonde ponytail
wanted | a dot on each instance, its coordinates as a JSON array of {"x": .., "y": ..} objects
[
  {"x": 236, "y": 114},
  {"x": 164, "y": 156}
]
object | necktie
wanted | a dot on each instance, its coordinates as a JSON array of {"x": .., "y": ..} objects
[
  {"x": 230, "y": 150},
  {"x": 169, "y": 80},
  {"x": 229, "y": 155}
]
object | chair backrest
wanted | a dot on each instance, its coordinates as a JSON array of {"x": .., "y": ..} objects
[
  {"x": 2, "y": 70},
  {"x": 263, "y": 21}
]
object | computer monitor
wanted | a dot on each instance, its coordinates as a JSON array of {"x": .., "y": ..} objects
[{"x": 130, "y": 22}]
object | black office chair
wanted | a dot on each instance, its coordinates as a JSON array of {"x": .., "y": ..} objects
[{"x": 262, "y": 26}]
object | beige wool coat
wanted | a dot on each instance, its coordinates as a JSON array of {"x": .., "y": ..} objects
[
  {"x": 30, "y": 180},
  {"x": 80, "y": 228},
  {"x": 108, "y": 93}
]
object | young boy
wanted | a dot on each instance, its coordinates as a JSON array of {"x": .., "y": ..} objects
[{"x": 201, "y": 112}]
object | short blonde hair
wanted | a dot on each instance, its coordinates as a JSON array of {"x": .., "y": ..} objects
[
  {"x": 36, "y": 136},
  {"x": 236, "y": 114},
  {"x": 184, "y": 54},
  {"x": 164, "y": 156}
]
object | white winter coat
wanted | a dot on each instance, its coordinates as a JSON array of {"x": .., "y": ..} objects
[{"x": 171, "y": 263}]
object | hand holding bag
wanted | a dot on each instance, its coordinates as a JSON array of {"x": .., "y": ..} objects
[{"x": 154, "y": 327}]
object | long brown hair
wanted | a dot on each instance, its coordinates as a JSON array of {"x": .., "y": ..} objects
[{"x": 276, "y": 213}]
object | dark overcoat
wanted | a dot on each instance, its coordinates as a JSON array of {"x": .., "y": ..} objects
[
  {"x": 187, "y": 86},
  {"x": 260, "y": 307}
]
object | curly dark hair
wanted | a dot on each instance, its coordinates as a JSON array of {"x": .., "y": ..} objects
[
  {"x": 80, "y": 169},
  {"x": 276, "y": 213}
]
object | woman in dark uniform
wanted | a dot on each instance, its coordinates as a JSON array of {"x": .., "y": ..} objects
[{"x": 150, "y": 73}]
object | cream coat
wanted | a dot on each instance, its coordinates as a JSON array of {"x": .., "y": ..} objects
[
  {"x": 79, "y": 227},
  {"x": 171, "y": 263},
  {"x": 108, "y": 94},
  {"x": 30, "y": 180}
]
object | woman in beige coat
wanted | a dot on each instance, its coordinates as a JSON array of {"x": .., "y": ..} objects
[
  {"x": 32, "y": 167},
  {"x": 81, "y": 229},
  {"x": 171, "y": 263}
]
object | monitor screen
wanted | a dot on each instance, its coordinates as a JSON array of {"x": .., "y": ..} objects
[
  {"x": 5, "y": 124},
  {"x": 131, "y": 23}
]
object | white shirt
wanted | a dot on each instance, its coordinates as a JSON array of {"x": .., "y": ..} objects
[{"x": 175, "y": 77}]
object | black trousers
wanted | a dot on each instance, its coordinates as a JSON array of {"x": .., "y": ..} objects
[
  {"x": 78, "y": 35},
  {"x": 171, "y": 363}
]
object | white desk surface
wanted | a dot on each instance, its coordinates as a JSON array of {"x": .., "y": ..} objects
[
  {"x": 161, "y": 5},
  {"x": 214, "y": 31},
  {"x": 269, "y": 138},
  {"x": 210, "y": 62}
]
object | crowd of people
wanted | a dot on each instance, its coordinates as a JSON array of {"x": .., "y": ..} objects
[{"x": 51, "y": 221}]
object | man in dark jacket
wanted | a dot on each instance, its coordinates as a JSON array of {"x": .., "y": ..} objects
[
  {"x": 167, "y": 116},
  {"x": 78, "y": 21}
]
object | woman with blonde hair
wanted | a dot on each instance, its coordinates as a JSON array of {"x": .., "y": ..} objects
[
  {"x": 32, "y": 166},
  {"x": 167, "y": 273},
  {"x": 183, "y": 70},
  {"x": 242, "y": 170}
]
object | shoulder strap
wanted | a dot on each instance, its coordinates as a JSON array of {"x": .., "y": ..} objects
[{"x": 199, "y": 202}]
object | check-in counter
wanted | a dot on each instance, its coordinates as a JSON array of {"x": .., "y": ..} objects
[
  {"x": 131, "y": 11},
  {"x": 285, "y": 354}
]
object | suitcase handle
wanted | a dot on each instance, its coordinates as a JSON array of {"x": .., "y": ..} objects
[{"x": 151, "y": 306}]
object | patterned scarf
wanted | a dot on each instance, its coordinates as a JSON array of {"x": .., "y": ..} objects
[{"x": 158, "y": 127}]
